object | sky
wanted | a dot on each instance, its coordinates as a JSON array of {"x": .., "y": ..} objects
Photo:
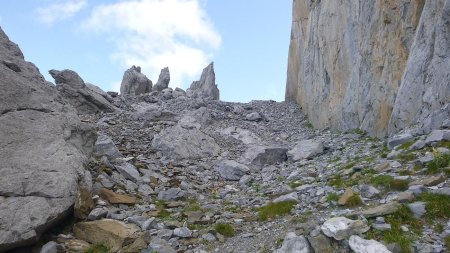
[{"x": 247, "y": 40}]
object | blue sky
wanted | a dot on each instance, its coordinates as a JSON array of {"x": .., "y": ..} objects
[{"x": 247, "y": 40}]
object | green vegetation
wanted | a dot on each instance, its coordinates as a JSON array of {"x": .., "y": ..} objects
[
  {"x": 407, "y": 145},
  {"x": 295, "y": 184},
  {"x": 302, "y": 218},
  {"x": 403, "y": 216},
  {"x": 332, "y": 197},
  {"x": 338, "y": 182},
  {"x": 385, "y": 151},
  {"x": 97, "y": 248},
  {"x": 309, "y": 125},
  {"x": 447, "y": 242},
  {"x": 389, "y": 183},
  {"x": 439, "y": 228},
  {"x": 279, "y": 242},
  {"x": 163, "y": 214},
  {"x": 192, "y": 206},
  {"x": 440, "y": 163},
  {"x": 405, "y": 173},
  {"x": 225, "y": 229},
  {"x": 406, "y": 157},
  {"x": 354, "y": 201},
  {"x": 437, "y": 205},
  {"x": 272, "y": 210}
]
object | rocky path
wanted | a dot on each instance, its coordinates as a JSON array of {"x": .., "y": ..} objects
[{"x": 177, "y": 174}]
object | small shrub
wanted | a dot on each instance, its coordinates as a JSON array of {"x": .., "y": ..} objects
[
  {"x": 332, "y": 197},
  {"x": 354, "y": 201},
  {"x": 438, "y": 164},
  {"x": 309, "y": 125},
  {"x": 406, "y": 145},
  {"x": 389, "y": 183},
  {"x": 405, "y": 173},
  {"x": 437, "y": 205},
  {"x": 192, "y": 206},
  {"x": 381, "y": 180},
  {"x": 439, "y": 228},
  {"x": 163, "y": 214},
  {"x": 97, "y": 248},
  {"x": 272, "y": 210},
  {"x": 399, "y": 185},
  {"x": 447, "y": 242},
  {"x": 225, "y": 229},
  {"x": 294, "y": 184}
]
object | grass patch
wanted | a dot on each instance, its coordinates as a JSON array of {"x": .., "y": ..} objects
[
  {"x": 295, "y": 184},
  {"x": 407, "y": 145},
  {"x": 163, "y": 214},
  {"x": 272, "y": 210},
  {"x": 302, "y": 218},
  {"x": 406, "y": 157},
  {"x": 97, "y": 248},
  {"x": 438, "y": 164},
  {"x": 437, "y": 205},
  {"x": 447, "y": 242},
  {"x": 354, "y": 201},
  {"x": 332, "y": 197},
  {"x": 192, "y": 206},
  {"x": 225, "y": 229},
  {"x": 309, "y": 125},
  {"x": 405, "y": 173},
  {"x": 385, "y": 151},
  {"x": 389, "y": 183},
  {"x": 403, "y": 216},
  {"x": 338, "y": 182}
]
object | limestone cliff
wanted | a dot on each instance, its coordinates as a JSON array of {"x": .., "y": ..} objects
[{"x": 349, "y": 59}]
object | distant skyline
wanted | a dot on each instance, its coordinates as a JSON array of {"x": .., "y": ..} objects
[{"x": 99, "y": 39}]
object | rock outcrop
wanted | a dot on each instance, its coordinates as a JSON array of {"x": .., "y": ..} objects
[
  {"x": 348, "y": 60},
  {"x": 86, "y": 99},
  {"x": 163, "y": 80},
  {"x": 206, "y": 87},
  {"x": 43, "y": 150},
  {"x": 134, "y": 82}
]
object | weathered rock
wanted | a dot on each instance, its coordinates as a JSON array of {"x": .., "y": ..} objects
[
  {"x": 182, "y": 232},
  {"x": 305, "y": 149},
  {"x": 341, "y": 228},
  {"x": 160, "y": 246},
  {"x": 294, "y": 244},
  {"x": 206, "y": 87},
  {"x": 350, "y": 64},
  {"x": 253, "y": 116},
  {"x": 244, "y": 135},
  {"x": 424, "y": 90},
  {"x": 83, "y": 204},
  {"x": 261, "y": 156},
  {"x": 438, "y": 135},
  {"x": 43, "y": 151},
  {"x": 76, "y": 246},
  {"x": 381, "y": 210},
  {"x": 97, "y": 214},
  {"x": 320, "y": 243},
  {"x": 50, "y": 247},
  {"x": 171, "y": 194},
  {"x": 116, "y": 198},
  {"x": 368, "y": 191},
  {"x": 84, "y": 99},
  {"x": 128, "y": 171},
  {"x": 111, "y": 233},
  {"x": 399, "y": 140},
  {"x": 180, "y": 143},
  {"x": 346, "y": 196},
  {"x": 360, "y": 245},
  {"x": 231, "y": 170},
  {"x": 418, "y": 209},
  {"x": 104, "y": 146},
  {"x": 293, "y": 196},
  {"x": 163, "y": 80},
  {"x": 134, "y": 82}
]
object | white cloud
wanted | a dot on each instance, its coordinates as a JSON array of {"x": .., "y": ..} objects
[
  {"x": 60, "y": 11},
  {"x": 158, "y": 33}
]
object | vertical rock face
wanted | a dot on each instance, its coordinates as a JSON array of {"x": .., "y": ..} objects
[
  {"x": 424, "y": 94},
  {"x": 134, "y": 82},
  {"x": 43, "y": 148},
  {"x": 348, "y": 59},
  {"x": 206, "y": 87}
]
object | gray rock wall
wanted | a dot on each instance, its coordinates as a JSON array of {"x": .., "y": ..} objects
[
  {"x": 348, "y": 60},
  {"x": 43, "y": 149}
]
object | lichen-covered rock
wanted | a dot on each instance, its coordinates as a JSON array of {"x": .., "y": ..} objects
[
  {"x": 348, "y": 60},
  {"x": 43, "y": 151},
  {"x": 134, "y": 82},
  {"x": 206, "y": 87}
]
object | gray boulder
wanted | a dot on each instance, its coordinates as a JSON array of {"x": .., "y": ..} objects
[
  {"x": 305, "y": 149},
  {"x": 206, "y": 87},
  {"x": 104, "y": 146},
  {"x": 341, "y": 228},
  {"x": 163, "y": 80},
  {"x": 44, "y": 148},
  {"x": 294, "y": 244},
  {"x": 360, "y": 245},
  {"x": 171, "y": 194},
  {"x": 260, "y": 156},
  {"x": 86, "y": 100},
  {"x": 134, "y": 82},
  {"x": 181, "y": 143},
  {"x": 231, "y": 170}
]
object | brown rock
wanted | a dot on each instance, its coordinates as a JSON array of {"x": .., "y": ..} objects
[
  {"x": 321, "y": 243},
  {"x": 111, "y": 233},
  {"x": 76, "y": 246},
  {"x": 405, "y": 196},
  {"x": 116, "y": 198},
  {"x": 344, "y": 198},
  {"x": 83, "y": 204}
]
